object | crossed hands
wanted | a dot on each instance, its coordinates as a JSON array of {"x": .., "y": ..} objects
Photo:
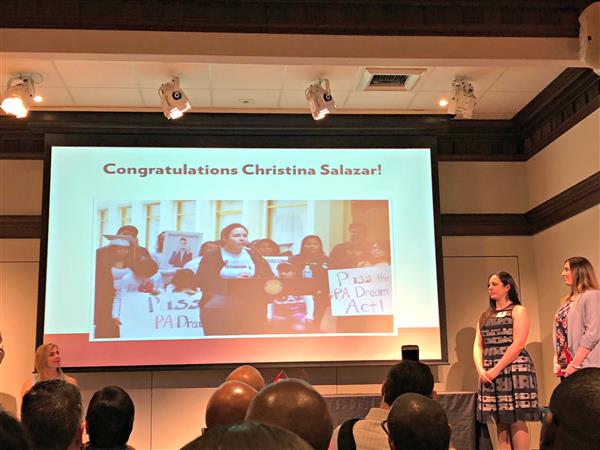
[{"x": 488, "y": 376}]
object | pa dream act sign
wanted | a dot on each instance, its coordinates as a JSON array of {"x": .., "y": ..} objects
[
  {"x": 166, "y": 315},
  {"x": 365, "y": 291}
]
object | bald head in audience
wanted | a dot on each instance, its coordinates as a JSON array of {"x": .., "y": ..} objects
[
  {"x": 229, "y": 403},
  {"x": 249, "y": 375},
  {"x": 416, "y": 422},
  {"x": 575, "y": 408},
  {"x": 295, "y": 405}
]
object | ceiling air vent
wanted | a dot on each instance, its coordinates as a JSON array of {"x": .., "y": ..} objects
[{"x": 389, "y": 79}]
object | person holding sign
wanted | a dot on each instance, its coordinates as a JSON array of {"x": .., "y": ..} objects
[
  {"x": 508, "y": 385},
  {"x": 182, "y": 255},
  {"x": 378, "y": 255},
  {"x": 112, "y": 264},
  {"x": 348, "y": 254},
  {"x": 228, "y": 306},
  {"x": 144, "y": 277}
]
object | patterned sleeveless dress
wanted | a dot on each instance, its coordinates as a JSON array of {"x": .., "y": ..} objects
[{"x": 513, "y": 395}]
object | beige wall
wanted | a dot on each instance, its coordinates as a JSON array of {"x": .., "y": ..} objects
[
  {"x": 483, "y": 187},
  {"x": 516, "y": 187},
  {"x": 21, "y": 187},
  {"x": 568, "y": 160},
  {"x": 18, "y": 306},
  {"x": 170, "y": 404}
]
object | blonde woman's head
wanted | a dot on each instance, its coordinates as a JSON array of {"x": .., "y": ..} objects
[
  {"x": 578, "y": 273},
  {"x": 47, "y": 357}
]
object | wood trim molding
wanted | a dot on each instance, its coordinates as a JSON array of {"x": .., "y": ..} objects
[
  {"x": 576, "y": 199},
  {"x": 570, "y": 98},
  {"x": 20, "y": 227},
  {"x": 475, "y": 140},
  {"x": 484, "y": 225},
  {"x": 479, "y": 140},
  {"x": 535, "y": 18}
]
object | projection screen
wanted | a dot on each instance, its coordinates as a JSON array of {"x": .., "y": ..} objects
[{"x": 328, "y": 256}]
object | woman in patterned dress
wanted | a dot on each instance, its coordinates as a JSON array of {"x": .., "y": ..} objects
[
  {"x": 507, "y": 382},
  {"x": 577, "y": 321}
]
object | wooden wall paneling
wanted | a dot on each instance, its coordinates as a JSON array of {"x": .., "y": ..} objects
[{"x": 535, "y": 18}]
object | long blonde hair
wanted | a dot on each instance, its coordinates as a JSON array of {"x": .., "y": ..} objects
[
  {"x": 41, "y": 358},
  {"x": 584, "y": 277}
]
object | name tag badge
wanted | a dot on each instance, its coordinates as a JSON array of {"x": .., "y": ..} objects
[{"x": 501, "y": 314}]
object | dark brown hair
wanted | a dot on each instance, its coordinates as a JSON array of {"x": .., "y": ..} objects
[{"x": 513, "y": 295}]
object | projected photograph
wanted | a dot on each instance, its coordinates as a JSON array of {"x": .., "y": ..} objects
[{"x": 172, "y": 269}]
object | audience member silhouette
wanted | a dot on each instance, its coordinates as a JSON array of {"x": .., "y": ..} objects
[
  {"x": 405, "y": 377},
  {"x": 575, "y": 409},
  {"x": 249, "y": 375},
  {"x": 51, "y": 412},
  {"x": 248, "y": 436},
  {"x": 417, "y": 422},
  {"x": 12, "y": 433},
  {"x": 295, "y": 405},
  {"x": 109, "y": 419}
]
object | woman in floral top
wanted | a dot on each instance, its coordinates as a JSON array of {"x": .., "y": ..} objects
[{"x": 576, "y": 323}]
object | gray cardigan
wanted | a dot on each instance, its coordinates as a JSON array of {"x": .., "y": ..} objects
[{"x": 583, "y": 329}]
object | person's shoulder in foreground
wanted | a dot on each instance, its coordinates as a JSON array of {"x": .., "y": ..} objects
[{"x": 574, "y": 411}]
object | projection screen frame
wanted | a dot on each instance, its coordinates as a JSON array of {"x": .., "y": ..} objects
[{"x": 246, "y": 141}]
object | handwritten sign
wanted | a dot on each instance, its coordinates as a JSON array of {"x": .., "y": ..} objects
[
  {"x": 365, "y": 291},
  {"x": 168, "y": 314}
]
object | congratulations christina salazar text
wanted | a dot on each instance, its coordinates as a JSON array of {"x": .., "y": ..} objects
[{"x": 246, "y": 169}]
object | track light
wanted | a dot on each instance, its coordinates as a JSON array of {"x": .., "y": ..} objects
[
  {"x": 20, "y": 92},
  {"x": 319, "y": 99},
  {"x": 173, "y": 100},
  {"x": 463, "y": 99}
]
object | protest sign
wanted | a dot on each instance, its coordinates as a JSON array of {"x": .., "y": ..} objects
[
  {"x": 365, "y": 291},
  {"x": 168, "y": 314}
]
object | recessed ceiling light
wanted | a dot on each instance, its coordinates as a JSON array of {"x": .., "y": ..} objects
[{"x": 443, "y": 102}]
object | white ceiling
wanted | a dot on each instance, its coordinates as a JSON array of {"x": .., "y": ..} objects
[{"x": 84, "y": 81}]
